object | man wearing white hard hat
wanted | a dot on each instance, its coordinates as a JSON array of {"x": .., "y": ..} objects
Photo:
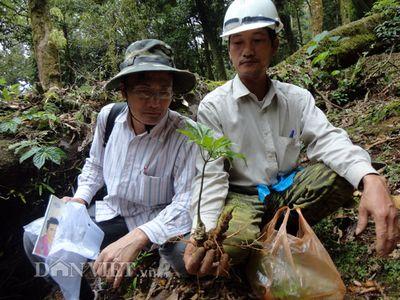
[{"x": 269, "y": 121}]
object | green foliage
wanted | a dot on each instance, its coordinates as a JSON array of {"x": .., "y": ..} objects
[
  {"x": 348, "y": 85},
  {"x": 380, "y": 113},
  {"x": 135, "y": 265},
  {"x": 393, "y": 172},
  {"x": 57, "y": 38},
  {"x": 388, "y": 32},
  {"x": 390, "y": 273},
  {"x": 43, "y": 186},
  {"x": 212, "y": 85},
  {"x": 385, "y": 6},
  {"x": 321, "y": 58},
  {"x": 324, "y": 41},
  {"x": 57, "y": 14},
  {"x": 9, "y": 93},
  {"x": 349, "y": 257},
  {"x": 392, "y": 109},
  {"x": 205, "y": 138},
  {"x": 315, "y": 42},
  {"x": 143, "y": 255},
  {"x": 10, "y": 126},
  {"x": 39, "y": 153}
]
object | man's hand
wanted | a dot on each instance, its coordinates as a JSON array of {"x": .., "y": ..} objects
[
  {"x": 200, "y": 262},
  {"x": 72, "y": 199},
  {"x": 376, "y": 201},
  {"x": 116, "y": 257}
]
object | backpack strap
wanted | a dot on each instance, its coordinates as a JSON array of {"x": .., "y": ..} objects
[{"x": 114, "y": 112}]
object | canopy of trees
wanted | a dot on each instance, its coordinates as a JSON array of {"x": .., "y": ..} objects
[{"x": 60, "y": 43}]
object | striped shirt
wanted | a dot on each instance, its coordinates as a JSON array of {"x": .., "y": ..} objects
[{"x": 148, "y": 176}]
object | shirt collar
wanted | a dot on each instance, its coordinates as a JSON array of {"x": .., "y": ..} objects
[
  {"x": 156, "y": 132},
  {"x": 239, "y": 90}
]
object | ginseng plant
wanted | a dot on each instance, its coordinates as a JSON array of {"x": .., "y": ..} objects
[{"x": 211, "y": 149}]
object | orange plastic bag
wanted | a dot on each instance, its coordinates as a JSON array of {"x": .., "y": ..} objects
[{"x": 293, "y": 267}]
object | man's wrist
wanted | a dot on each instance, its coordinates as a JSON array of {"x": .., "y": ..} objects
[
  {"x": 140, "y": 237},
  {"x": 81, "y": 201},
  {"x": 369, "y": 178}
]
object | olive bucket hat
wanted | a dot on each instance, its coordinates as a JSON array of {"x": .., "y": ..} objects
[{"x": 152, "y": 55}]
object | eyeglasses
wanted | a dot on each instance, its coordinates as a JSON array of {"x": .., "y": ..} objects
[{"x": 149, "y": 94}]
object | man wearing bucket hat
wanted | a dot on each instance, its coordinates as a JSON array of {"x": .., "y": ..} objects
[
  {"x": 146, "y": 165},
  {"x": 269, "y": 121}
]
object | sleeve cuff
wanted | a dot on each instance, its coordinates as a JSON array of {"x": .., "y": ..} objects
[
  {"x": 210, "y": 221},
  {"x": 154, "y": 235},
  {"x": 84, "y": 193},
  {"x": 357, "y": 172}
]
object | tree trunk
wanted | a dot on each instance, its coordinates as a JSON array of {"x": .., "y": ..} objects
[
  {"x": 69, "y": 71},
  {"x": 299, "y": 27},
  {"x": 362, "y": 7},
  {"x": 46, "y": 53},
  {"x": 331, "y": 16},
  {"x": 207, "y": 56},
  {"x": 211, "y": 34},
  {"x": 347, "y": 11},
  {"x": 317, "y": 16},
  {"x": 287, "y": 25}
]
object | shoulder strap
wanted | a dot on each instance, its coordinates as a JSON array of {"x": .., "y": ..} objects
[{"x": 114, "y": 112}]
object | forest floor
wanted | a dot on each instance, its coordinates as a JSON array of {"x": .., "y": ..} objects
[{"x": 372, "y": 120}]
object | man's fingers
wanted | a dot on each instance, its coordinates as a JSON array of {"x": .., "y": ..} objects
[
  {"x": 110, "y": 271},
  {"x": 66, "y": 199},
  {"x": 223, "y": 267},
  {"x": 362, "y": 220},
  {"x": 393, "y": 230},
  {"x": 381, "y": 234},
  {"x": 120, "y": 275},
  {"x": 98, "y": 262},
  {"x": 103, "y": 269},
  {"x": 193, "y": 262},
  {"x": 207, "y": 263}
]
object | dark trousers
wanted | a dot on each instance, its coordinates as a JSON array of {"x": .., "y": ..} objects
[
  {"x": 113, "y": 230},
  {"x": 317, "y": 190}
]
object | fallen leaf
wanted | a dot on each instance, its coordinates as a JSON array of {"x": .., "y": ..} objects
[
  {"x": 195, "y": 297},
  {"x": 368, "y": 290},
  {"x": 395, "y": 254},
  {"x": 173, "y": 296},
  {"x": 370, "y": 283},
  {"x": 357, "y": 283},
  {"x": 396, "y": 201}
]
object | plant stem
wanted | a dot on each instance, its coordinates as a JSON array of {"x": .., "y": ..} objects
[{"x": 199, "y": 221}]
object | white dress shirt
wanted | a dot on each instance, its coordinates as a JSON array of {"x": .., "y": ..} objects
[
  {"x": 270, "y": 136},
  {"x": 148, "y": 176}
]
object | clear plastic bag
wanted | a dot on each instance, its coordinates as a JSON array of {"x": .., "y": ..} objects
[{"x": 293, "y": 267}]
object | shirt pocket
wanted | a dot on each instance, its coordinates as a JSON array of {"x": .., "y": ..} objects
[
  {"x": 287, "y": 152},
  {"x": 154, "y": 190}
]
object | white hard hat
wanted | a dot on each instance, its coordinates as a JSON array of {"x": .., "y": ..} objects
[{"x": 243, "y": 15}]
